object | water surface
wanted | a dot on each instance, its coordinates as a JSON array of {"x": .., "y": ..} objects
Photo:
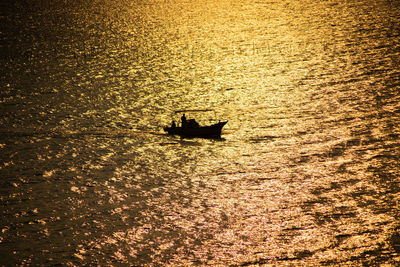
[{"x": 306, "y": 172}]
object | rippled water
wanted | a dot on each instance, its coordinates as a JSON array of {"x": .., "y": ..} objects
[{"x": 307, "y": 171}]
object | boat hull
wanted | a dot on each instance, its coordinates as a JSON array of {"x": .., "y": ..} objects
[{"x": 212, "y": 131}]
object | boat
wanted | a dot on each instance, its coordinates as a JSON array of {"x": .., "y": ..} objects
[{"x": 190, "y": 128}]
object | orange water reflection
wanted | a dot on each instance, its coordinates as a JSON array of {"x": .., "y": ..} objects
[{"x": 307, "y": 170}]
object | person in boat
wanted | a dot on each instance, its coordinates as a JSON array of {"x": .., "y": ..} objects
[
  {"x": 173, "y": 125},
  {"x": 183, "y": 119}
]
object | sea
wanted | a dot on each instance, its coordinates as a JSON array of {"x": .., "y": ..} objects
[{"x": 307, "y": 169}]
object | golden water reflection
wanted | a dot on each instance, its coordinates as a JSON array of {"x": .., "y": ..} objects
[{"x": 306, "y": 172}]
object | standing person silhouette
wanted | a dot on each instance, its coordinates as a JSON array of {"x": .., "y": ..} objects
[{"x": 183, "y": 118}]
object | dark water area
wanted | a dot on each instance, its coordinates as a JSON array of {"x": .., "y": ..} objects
[{"x": 307, "y": 170}]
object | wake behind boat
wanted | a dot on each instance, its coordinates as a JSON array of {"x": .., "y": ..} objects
[{"x": 190, "y": 128}]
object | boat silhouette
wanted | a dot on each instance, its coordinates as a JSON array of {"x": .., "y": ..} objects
[{"x": 191, "y": 128}]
